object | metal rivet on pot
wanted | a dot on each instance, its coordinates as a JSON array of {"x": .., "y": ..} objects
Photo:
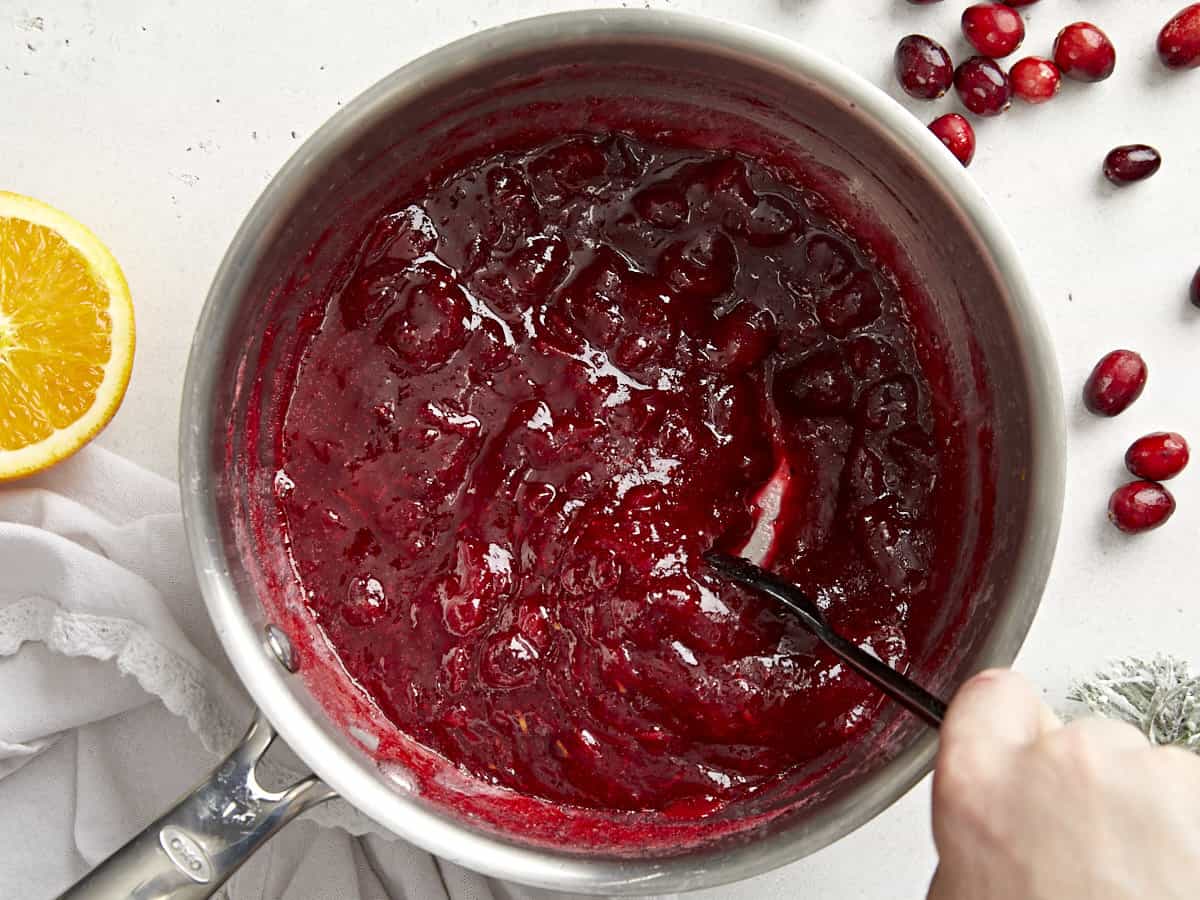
[{"x": 281, "y": 648}]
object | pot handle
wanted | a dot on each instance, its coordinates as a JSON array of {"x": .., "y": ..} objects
[{"x": 189, "y": 852}]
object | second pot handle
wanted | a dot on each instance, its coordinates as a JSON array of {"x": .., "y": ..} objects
[{"x": 188, "y": 853}]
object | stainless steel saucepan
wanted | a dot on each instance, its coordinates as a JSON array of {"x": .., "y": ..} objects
[{"x": 577, "y": 66}]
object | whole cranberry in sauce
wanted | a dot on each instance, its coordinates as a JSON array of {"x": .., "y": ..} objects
[
  {"x": 993, "y": 29},
  {"x": 1132, "y": 162},
  {"x": 1158, "y": 457},
  {"x": 1083, "y": 52},
  {"x": 1179, "y": 40},
  {"x": 923, "y": 67},
  {"x": 1195, "y": 291},
  {"x": 957, "y": 134},
  {"x": 1140, "y": 506},
  {"x": 1034, "y": 79},
  {"x": 1118, "y": 380},
  {"x": 983, "y": 86}
]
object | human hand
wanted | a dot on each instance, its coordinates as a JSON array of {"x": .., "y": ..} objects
[{"x": 1027, "y": 808}]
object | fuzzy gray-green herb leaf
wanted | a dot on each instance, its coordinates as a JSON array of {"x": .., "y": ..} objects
[{"x": 1160, "y": 696}]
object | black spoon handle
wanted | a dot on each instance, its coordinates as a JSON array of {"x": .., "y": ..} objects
[{"x": 899, "y": 687}]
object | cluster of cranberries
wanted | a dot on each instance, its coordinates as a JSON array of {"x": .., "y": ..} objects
[
  {"x": 1116, "y": 381},
  {"x": 1081, "y": 52}
]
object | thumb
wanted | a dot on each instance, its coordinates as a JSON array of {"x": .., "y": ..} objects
[{"x": 998, "y": 705}]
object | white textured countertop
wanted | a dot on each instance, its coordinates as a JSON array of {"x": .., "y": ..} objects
[{"x": 159, "y": 123}]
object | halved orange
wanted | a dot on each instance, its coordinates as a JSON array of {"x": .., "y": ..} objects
[{"x": 66, "y": 335}]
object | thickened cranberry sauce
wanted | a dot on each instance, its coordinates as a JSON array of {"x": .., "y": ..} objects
[{"x": 542, "y": 391}]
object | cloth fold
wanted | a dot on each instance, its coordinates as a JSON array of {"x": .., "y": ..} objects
[{"x": 116, "y": 697}]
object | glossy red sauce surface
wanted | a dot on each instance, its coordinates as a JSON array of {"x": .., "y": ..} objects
[{"x": 543, "y": 390}]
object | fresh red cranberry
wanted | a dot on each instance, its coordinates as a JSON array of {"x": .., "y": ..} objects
[
  {"x": 957, "y": 134},
  {"x": 1083, "y": 52},
  {"x": 923, "y": 67},
  {"x": 1115, "y": 383},
  {"x": 1035, "y": 80},
  {"x": 1179, "y": 40},
  {"x": 1158, "y": 457},
  {"x": 1133, "y": 162},
  {"x": 983, "y": 86},
  {"x": 1140, "y": 506},
  {"x": 993, "y": 29},
  {"x": 1195, "y": 292}
]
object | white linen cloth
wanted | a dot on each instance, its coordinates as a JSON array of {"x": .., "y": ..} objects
[{"x": 116, "y": 697}]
